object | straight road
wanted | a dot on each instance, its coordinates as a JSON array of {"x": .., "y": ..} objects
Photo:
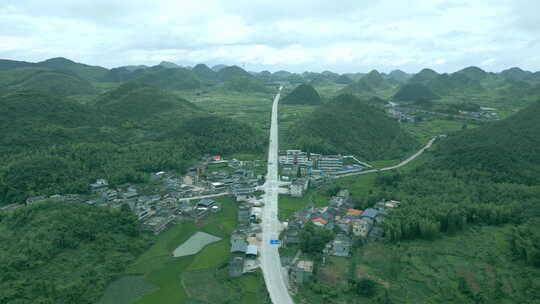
[
  {"x": 274, "y": 274},
  {"x": 401, "y": 164}
]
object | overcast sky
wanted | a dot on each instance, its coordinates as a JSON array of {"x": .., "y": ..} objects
[{"x": 294, "y": 35}]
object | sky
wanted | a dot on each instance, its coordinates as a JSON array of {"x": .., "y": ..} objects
[{"x": 344, "y": 36}]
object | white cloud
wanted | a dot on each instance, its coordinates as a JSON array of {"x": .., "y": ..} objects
[{"x": 347, "y": 36}]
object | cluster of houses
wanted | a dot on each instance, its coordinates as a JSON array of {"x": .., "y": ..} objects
[
  {"x": 168, "y": 195},
  {"x": 245, "y": 239},
  {"x": 350, "y": 224}
]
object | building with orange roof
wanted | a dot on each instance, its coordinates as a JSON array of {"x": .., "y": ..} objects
[
  {"x": 354, "y": 212},
  {"x": 319, "y": 221}
]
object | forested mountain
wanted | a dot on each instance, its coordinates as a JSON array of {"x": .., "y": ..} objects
[
  {"x": 52, "y": 145},
  {"x": 6, "y": 64},
  {"x": 45, "y": 80},
  {"x": 489, "y": 175},
  {"x": 474, "y": 73},
  {"x": 424, "y": 76},
  {"x": 516, "y": 74},
  {"x": 349, "y": 125},
  {"x": 399, "y": 76},
  {"x": 303, "y": 94},
  {"x": 359, "y": 87},
  {"x": 171, "y": 79},
  {"x": 415, "y": 92},
  {"x": 204, "y": 72},
  {"x": 65, "y": 252},
  {"x": 88, "y": 72},
  {"x": 509, "y": 149},
  {"x": 232, "y": 72}
]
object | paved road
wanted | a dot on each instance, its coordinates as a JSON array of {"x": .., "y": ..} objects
[
  {"x": 275, "y": 276},
  {"x": 401, "y": 164}
]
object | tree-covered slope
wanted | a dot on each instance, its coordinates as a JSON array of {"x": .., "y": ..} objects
[
  {"x": 88, "y": 72},
  {"x": 45, "y": 80},
  {"x": 170, "y": 79},
  {"x": 204, "y": 72},
  {"x": 64, "y": 253},
  {"x": 508, "y": 149},
  {"x": 303, "y": 94},
  {"x": 415, "y": 92},
  {"x": 52, "y": 145},
  {"x": 348, "y": 125}
]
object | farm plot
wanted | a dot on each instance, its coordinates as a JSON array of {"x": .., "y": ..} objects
[{"x": 195, "y": 244}]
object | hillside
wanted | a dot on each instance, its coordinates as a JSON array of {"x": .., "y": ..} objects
[
  {"x": 204, "y": 72},
  {"x": 170, "y": 78},
  {"x": 424, "y": 76},
  {"x": 415, "y": 92},
  {"x": 232, "y": 72},
  {"x": 137, "y": 101},
  {"x": 88, "y": 72},
  {"x": 45, "y": 80},
  {"x": 359, "y": 87},
  {"x": 52, "y": 145},
  {"x": 399, "y": 76},
  {"x": 65, "y": 252},
  {"x": 348, "y": 125},
  {"x": 303, "y": 94},
  {"x": 507, "y": 149}
]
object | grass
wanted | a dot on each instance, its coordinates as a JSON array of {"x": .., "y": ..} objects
[
  {"x": 474, "y": 266},
  {"x": 288, "y": 205},
  {"x": 126, "y": 290},
  {"x": 160, "y": 269},
  {"x": 425, "y": 130}
]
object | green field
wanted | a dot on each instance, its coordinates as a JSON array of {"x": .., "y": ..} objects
[
  {"x": 173, "y": 280},
  {"x": 472, "y": 267}
]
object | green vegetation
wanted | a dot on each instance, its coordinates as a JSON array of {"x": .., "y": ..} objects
[
  {"x": 54, "y": 145},
  {"x": 45, "y": 80},
  {"x": 180, "y": 280},
  {"x": 64, "y": 252},
  {"x": 356, "y": 128},
  {"x": 303, "y": 94},
  {"x": 415, "y": 92},
  {"x": 476, "y": 266}
]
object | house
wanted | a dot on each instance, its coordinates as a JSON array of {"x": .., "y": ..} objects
[
  {"x": 362, "y": 226},
  {"x": 251, "y": 251},
  {"x": 236, "y": 265},
  {"x": 190, "y": 178},
  {"x": 215, "y": 158},
  {"x": 238, "y": 246},
  {"x": 35, "y": 199},
  {"x": 206, "y": 203},
  {"x": 243, "y": 215},
  {"x": 319, "y": 221},
  {"x": 353, "y": 213},
  {"x": 157, "y": 224},
  {"x": 292, "y": 233},
  {"x": 341, "y": 246},
  {"x": 100, "y": 183},
  {"x": 301, "y": 272},
  {"x": 370, "y": 213},
  {"x": 299, "y": 186},
  {"x": 392, "y": 204}
]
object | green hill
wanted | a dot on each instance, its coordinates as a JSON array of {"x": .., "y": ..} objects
[
  {"x": 120, "y": 74},
  {"x": 232, "y": 72},
  {"x": 6, "y": 64},
  {"x": 507, "y": 149},
  {"x": 81, "y": 247},
  {"x": 170, "y": 79},
  {"x": 424, "y": 76},
  {"x": 138, "y": 101},
  {"x": 516, "y": 74},
  {"x": 348, "y": 125},
  {"x": 374, "y": 79},
  {"x": 45, "y": 80},
  {"x": 344, "y": 79},
  {"x": 416, "y": 92},
  {"x": 399, "y": 76},
  {"x": 474, "y": 73},
  {"x": 88, "y": 72},
  {"x": 52, "y": 145},
  {"x": 303, "y": 94},
  {"x": 359, "y": 87},
  {"x": 204, "y": 72}
]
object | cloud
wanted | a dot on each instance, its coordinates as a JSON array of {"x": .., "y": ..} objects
[{"x": 348, "y": 36}]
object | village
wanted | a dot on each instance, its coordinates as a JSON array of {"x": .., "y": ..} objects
[{"x": 169, "y": 198}]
